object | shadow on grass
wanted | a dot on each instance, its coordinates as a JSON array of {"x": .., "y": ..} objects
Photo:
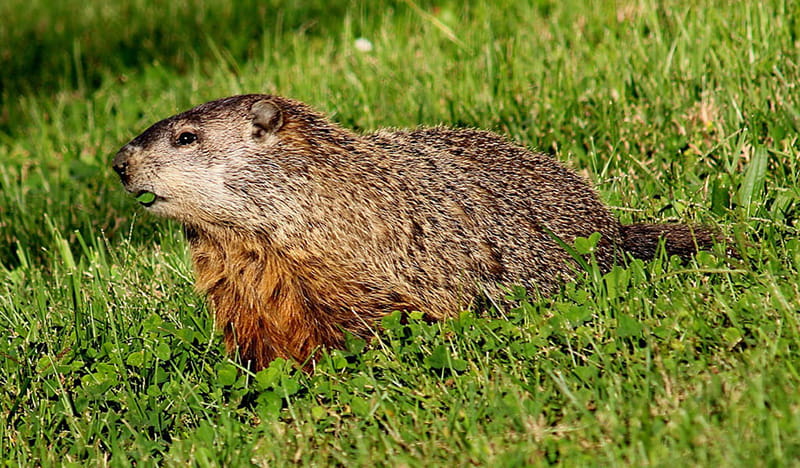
[{"x": 75, "y": 44}]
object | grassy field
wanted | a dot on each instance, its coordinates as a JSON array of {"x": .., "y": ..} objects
[{"x": 677, "y": 110}]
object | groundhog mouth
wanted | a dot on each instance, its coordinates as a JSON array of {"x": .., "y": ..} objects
[{"x": 146, "y": 198}]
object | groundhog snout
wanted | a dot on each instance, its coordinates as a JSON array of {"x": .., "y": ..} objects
[{"x": 122, "y": 162}]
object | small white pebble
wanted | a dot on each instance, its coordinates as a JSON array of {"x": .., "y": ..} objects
[{"x": 363, "y": 44}]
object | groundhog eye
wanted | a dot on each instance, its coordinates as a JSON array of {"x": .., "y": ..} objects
[{"x": 186, "y": 138}]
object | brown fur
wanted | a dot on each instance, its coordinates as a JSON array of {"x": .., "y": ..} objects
[{"x": 301, "y": 230}]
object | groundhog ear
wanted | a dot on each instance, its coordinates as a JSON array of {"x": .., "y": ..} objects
[{"x": 267, "y": 118}]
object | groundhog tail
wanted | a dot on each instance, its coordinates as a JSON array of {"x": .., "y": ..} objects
[{"x": 684, "y": 240}]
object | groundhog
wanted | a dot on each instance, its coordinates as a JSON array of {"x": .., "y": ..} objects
[{"x": 301, "y": 230}]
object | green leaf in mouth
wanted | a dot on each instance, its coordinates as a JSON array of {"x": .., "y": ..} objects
[{"x": 146, "y": 198}]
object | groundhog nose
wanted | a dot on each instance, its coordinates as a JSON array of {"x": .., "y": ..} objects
[
  {"x": 120, "y": 164},
  {"x": 121, "y": 168}
]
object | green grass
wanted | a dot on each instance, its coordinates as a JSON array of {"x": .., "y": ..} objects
[{"x": 683, "y": 111}]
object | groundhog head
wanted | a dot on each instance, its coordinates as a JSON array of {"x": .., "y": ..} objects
[{"x": 223, "y": 163}]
